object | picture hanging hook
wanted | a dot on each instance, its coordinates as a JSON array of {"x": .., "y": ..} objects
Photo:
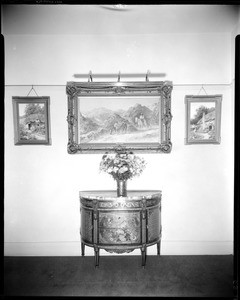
[
  {"x": 90, "y": 76},
  {"x": 32, "y": 88},
  {"x": 119, "y": 76},
  {"x": 147, "y": 75}
]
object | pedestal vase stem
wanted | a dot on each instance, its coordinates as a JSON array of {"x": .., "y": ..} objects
[{"x": 121, "y": 188}]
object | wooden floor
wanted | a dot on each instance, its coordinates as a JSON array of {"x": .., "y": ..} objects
[{"x": 163, "y": 276}]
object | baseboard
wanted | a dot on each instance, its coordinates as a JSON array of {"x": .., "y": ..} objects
[
  {"x": 197, "y": 247},
  {"x": 74, "y": 248}
]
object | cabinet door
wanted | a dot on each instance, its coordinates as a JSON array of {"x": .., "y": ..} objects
[
  {"x": 87, "y": 225},
  {"x": 119, "y": 227},
  {"x": 153, "y": 224}
]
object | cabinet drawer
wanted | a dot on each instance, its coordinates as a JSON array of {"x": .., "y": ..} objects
[
  {"x": 118, "y": 219},
  {"x": 124, "y": 235}
]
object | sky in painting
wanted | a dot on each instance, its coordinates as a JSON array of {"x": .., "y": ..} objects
[
  {"x": 115, "y": 103},
  {"x": 22, "y": 106}
]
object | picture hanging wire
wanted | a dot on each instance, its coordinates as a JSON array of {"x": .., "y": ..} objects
[
  {"x": 33, "y": 90},
  {"x": 202, "y": 88},
  {"x": 119, "y": 76},
  {"x": 148, "y": 72}
]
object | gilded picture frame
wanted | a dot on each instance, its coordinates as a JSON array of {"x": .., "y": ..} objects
[
  {"x": 31, "y": 117},
  {"x": 115, "y": 116},
  {"x": 203, "y": 119}
]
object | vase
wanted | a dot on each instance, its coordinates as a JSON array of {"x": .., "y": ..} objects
[{"x": 121, "y": 188}]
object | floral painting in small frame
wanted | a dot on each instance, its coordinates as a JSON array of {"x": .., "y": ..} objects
[
  {"x": 31, "y": 120},
  {"x": 203, "y": 119}
]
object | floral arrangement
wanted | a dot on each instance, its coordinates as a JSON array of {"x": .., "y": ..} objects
[{"x": 122, "y": 166}]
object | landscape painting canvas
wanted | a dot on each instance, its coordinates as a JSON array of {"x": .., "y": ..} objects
[
  {"x": 203, "y": 119},
  {"x": 119, "y": 119},
  {"x": 119, "y": 116},
  {"x": 31, "y": 120}
]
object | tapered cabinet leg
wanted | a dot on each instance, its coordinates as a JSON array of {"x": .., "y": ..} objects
[
  {"x": 143, "y": 250},
  {"x": 83, "y": 249},
  {"x": 96, "y": 250},
  {"x": 158, "y": 247}
]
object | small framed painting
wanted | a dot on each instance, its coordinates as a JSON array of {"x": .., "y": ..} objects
[
  {"x": 31, "y": 120},
  {"x": 203, "y": 119}
]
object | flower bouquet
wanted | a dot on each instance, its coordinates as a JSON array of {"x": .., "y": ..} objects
[{"x": 122, "y": 166}]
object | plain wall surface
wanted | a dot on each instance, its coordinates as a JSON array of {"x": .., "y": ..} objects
[
  {"x": 53, "y": 59},
  {"x": 42, "y": 183}
]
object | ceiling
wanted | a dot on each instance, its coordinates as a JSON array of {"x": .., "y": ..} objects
[{"x": 105, "y": 19}]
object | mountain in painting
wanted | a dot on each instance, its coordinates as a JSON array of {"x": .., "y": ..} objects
[
  {"x": 87, "y": 124},
  {"x": 117, "y": 124},
  {"x": 103, "y": 124},
  {"x": 141, "y": 116},
  {"x": 120, "y": 112},
  {"x": 155, "y": 113},
  {"x": 99, "y": 115}
]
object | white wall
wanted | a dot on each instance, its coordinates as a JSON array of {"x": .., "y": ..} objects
[
  {"x": 53, "y": 59},
  {"x": 41, "y": 207}
]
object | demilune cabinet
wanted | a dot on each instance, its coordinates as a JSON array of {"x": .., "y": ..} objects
[{"x": 120, "y": 224}]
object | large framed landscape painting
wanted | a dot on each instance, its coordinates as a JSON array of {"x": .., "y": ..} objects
[
  {"x": 115, "y": 120},
  {"x": 119, "y": 119},
  {"x": 203, "y": 119},
  {"x": 31, "y": 120}
]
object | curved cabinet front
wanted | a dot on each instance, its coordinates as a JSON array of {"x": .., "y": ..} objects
[{"x": 120, "y": 224}]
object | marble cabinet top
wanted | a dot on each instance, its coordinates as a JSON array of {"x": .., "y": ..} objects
[{"x": 112, "y": 194}]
